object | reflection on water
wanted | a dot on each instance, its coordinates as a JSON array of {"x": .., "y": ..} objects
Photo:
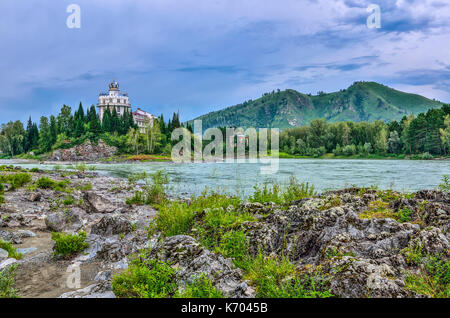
[{"x": 240, "y": 178}]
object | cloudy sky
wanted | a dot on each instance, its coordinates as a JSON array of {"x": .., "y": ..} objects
[{"x": 196, "y": 56}]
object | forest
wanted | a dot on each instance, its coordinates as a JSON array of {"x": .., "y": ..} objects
[
  {"x": 426, "y": 135},
  {"x": 69, "y": 129}
]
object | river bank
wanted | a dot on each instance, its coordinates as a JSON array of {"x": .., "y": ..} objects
[{"x": 357, "y": 242}]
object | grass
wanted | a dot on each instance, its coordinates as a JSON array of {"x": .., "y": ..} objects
[
  {"x": 12, "y": 252},
  {"x": 2, "y": 193},
  {"x": 145, "y": 279},
  {"x": 16, "y": 180},
  {"x": 282, "y": 195},
  {"x": 445, "y": 184},
  {"x": 276, "y": 277},
  {"x": 433, "y": 278},
  {"x": 7, "y": 282},
  {"x": 47, "y": 183},
  {"x": 379, "y": 209},
  {"x": 67, "y": 245},
  {"x": 202, "y": 287},
  {"x": 154, "y": 192}
]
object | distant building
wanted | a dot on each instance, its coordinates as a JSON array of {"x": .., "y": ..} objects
[
  {"x": 114, "y": 99},
  {"x": 121, "y": 102},
  {"x": 143, "y": 119}
]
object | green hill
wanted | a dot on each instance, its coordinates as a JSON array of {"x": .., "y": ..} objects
[{"x": 363, "y": 101}]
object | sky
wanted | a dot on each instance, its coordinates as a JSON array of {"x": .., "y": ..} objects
[{"x": 197, "y": 56}]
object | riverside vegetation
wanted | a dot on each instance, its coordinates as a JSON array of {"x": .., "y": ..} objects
[
  {"x": 285, "y": 240},
  {"x": 410, "y": 127}
]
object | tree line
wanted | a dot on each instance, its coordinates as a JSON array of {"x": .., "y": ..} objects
[
  {"x": 68, "y": 129},
  {"x": 428, "y": 133}
]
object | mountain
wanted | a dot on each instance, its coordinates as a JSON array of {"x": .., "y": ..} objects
[{"x": 363, "y": 101}]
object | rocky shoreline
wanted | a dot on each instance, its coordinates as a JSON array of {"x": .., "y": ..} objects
[{"x": 358, "y": 238}]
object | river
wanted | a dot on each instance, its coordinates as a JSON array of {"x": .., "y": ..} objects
[{"x": 403, "y": 175}]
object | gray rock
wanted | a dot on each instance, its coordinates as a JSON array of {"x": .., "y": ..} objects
[
  {"x": 112, "y": 225},
  {"x": 35, "y": 197},
  {"x": 3, "y": 255},
  {"x": 27, "y": 250},
  {"x": 8, "y": 262},
  {"x": 55, "y": 222},
  {"x": 192, "y": 260},
  {"x": 26, "y": 233},
  {"x": 97, "y": 204}
]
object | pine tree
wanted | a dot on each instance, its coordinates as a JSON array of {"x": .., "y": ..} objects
[
  {"x": 79, "y": 121},
  {"x": 115, "y": 122},
  {"x": 106, "y": 122},
  {"x": 94, "y": 123}
]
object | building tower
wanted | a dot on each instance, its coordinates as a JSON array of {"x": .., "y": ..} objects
[{"x": 114, "y": 99}]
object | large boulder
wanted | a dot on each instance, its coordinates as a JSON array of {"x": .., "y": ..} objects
[
  {"x": 193, "y": 260},
  {"x": 97, "y": 204},
  {"x": 85, "y": 152},
  {"x": 71, "y": 220},
  {"x": 3, "y": 255},
  {"x": 112, "y": 225}
]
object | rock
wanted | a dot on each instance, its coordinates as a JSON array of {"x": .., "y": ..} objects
[
  {"x": 192, "y": 260},
  {"x": 112, "y": 225},
  {"x": 3, "y": 255},
  {"x": 13, "y": 237},
  {"x": 26, "y": 233},
  {"x": 55, "y": 222},
  {"x": 8, "y": 262},
  {"x": 97, "y": 204},
  {"x": 27, "y": 250},
  {"x": 85, "y": 152},
  {"x": 103, "y": 276},
  {"x": 100, "y": 290},
  {"x": 35, "y": 197},
  {"x": 71, "y": 220}
]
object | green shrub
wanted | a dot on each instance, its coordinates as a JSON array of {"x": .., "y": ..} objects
[
  {"x": 145, "y": 279},
  {"x": 282, "y": 195},
  {"x": 445, "y": 185},
  {"x": 12, "y": 252},
  {"x": 174, "y": 218},
  {"x": 277, "y": 278},
  {"x": 47, "y": 183},
  {"x": 69, "y": 244},
  {"x": 433, "y": 278},
  {"x": 154, "y": 191},
  {"x": 34, "y": 170},
  {"x": 202, "y": 287},
  {"x": 7, "y": 281},
  {"x": 69, "y": 200},
  {"x": 16, "y": 180},
  {"x": 234, "y": 244}
]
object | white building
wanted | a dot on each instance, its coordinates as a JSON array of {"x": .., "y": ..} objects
[
  {"x": 143, "y": 119},
  {"x": 120, "y": 100},
  {"x": 114, "y": 99}
]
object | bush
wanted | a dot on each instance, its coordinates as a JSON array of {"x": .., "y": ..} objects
[
  {"x": 282, "y": 195},
  {"x": 47, "y": 183},
  {"x": 69, "y": 244},
  {"x": 444, "y": 186},
  {"x": 234, "y": 244},
  {"x": 433, "y": 278},
  {"x": 154, "y": 192},
  {"x": 174, "y": 218},
  {"x": 16, "y": 180},
  {"x": 145, "y": 279},
  {"x": 277, "y": 278},
  {"x": 12, "y": 252},
  {"x": 202, "y": 287},
  {"x": 7, "y": 282}
]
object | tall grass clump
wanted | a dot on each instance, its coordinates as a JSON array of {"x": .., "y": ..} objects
[
  {"x": 67, "y": 245},
  {"x": 7, "y": 282},
  {"x": 154, "y": 191},
  {"x": 433, "y": 279},
  {"x": 282, "y": 195},
  {"x": 16, "y": 180},
  {"x": 202, "y": 287},
  {"x": 445, "y": 184},
  {"x": 145, "y": 279},
  {"x": 277, "y": 277},
  {"x": 12, "y": 251}
]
